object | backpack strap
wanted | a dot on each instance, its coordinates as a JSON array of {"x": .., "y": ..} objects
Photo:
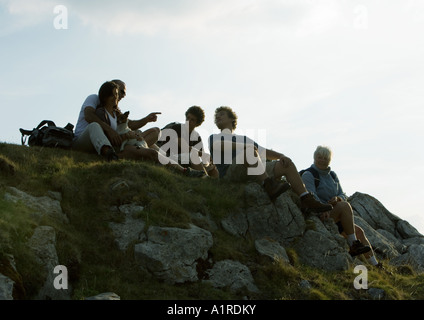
[
  {"x": 44, "y": 122},
  {"x": 314, "y": 173},
  {"x": 334, "y": 176}
]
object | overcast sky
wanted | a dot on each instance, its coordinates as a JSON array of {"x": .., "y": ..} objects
[{"x": 347, "y": 74}]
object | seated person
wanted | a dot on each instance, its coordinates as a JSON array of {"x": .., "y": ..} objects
[
  {"x": 150, "y": 135},
  {"x": 238, "y": 158},
  {"x": 107, "y": 112},
  {"x": 325, "y": 187},
  {"x": 91, "y": 134},
  {"x": 183, "y": 143}
]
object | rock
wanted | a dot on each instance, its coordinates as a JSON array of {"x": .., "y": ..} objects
[
  {"x": 376, "y": 294},
  {"x": 6, "y": 288},
  {"x": 305, "y": 285},
  {"x": 131, "y": 229},
  {"x": 232, "y": 274},
  {"x": 378, "y": 241},
  {"x": 11, "y": 286},
  {"x": 407, "y": 231},
  {"x": 413, "y": 257},
  {"x": 320, "y": 251},
  {"x": 42, "y": 206},
  {"x": 43, "y": 242},
  {"x": 374, "y": 213},
  {"x": 281, "y": 220},
  {"x": 236, "y": 224},
  {"x": 271, "y": 249},
  {"x": 104, "y": 296},
  {"x": 204, "y": 221},
  {"x": 171, "y": 254}
]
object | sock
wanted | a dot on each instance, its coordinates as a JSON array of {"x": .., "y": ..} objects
[
  {"x": 351, "y": 238},
  {"x": 304, "y": 194},
  {"x": 372, "y": 260}
]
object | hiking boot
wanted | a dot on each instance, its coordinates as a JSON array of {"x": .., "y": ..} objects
[
  {"x": 189, "y": 172},
  {"x": 110, "y": 155},
  {"x": 308, "y": 204},
  {"x": 358, "y": 248},
  {"x": 274, "y": 188}
]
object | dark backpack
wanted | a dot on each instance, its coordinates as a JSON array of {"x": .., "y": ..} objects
[
  {"x": 47, "y": 134},
  {"x": 316, "y": 175}
]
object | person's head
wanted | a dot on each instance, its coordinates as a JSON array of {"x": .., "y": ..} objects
[
  {"x": 108, "y": 94},
  {"x": 195, "y": 117},
  {"x": 322, "y": 157},
  {"x": 225, "y": 118},
  {"x": 122, "y": 88}
]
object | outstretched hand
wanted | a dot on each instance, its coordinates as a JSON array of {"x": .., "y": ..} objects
[{"x": 152, "y": 117}]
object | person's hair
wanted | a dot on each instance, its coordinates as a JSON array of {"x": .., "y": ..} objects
[
  {"x": 119, "y": 82},
  {"x": 198, "y": 113},
  {"x": 323, "y": 151},
  {"x": 107, "y": 90},
  {"x": 231, "y": 114}
]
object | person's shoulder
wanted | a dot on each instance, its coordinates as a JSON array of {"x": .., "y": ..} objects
[
  {"x": 91, "y": 101},
  {"x": 307, "y": 172}
]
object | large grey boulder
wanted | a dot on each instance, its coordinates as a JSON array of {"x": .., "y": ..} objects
[
  {"x": 272, "y": 249},
  {"x": 171, "y": 254},
  {"x": 322, "y": 247},
  {"x": 231, "y": 274},
  {"x": 378, "y": 217},
  {"x": 42, "y": 206},
  {"x": 43, "y": 243},
  {"x": 281, "y": 221}
]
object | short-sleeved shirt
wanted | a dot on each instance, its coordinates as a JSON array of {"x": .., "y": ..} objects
[
  {"x": 222, "y": 158},
  {"x": 91, "y": 101},
  {"x": 181, "y": 132}
]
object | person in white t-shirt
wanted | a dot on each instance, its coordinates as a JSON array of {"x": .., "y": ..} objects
[
  {"x": 92, "y": 134},
  {"x": 106, "y": 112}
]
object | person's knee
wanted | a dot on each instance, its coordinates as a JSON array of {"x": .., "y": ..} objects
[
  {"x": 344, "y": 207},
  {"x": 94, "y": 126}
]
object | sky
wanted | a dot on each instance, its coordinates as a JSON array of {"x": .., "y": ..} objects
[{"x": 347, "y": 74}]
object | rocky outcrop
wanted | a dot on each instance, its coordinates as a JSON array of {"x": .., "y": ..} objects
[
  {"x": 43, "y": 243},
  {"x": 390, "y": 236},
  {"x": 171, "y": 254},
  {"x": 42, "y": 206},
  {"x": 177, "y": 255}
]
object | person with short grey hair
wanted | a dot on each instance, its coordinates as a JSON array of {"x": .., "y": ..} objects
[{"x": 325, "y": 186}]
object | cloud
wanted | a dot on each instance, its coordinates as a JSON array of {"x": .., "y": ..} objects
[
  {"x": 184, "y": 17},
  {"x": 25, "y": 14}
]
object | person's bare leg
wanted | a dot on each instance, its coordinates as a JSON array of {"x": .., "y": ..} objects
[
  {"x": 292, "y": 176},
  {"x": 342, "y": 211}
]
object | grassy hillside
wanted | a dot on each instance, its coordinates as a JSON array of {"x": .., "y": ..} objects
[{"x": 86, "y": 246}]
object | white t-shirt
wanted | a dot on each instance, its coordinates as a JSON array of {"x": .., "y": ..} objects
[
  {"x": 113, "y": 120},
  {"x": 91, "y": 101}
]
